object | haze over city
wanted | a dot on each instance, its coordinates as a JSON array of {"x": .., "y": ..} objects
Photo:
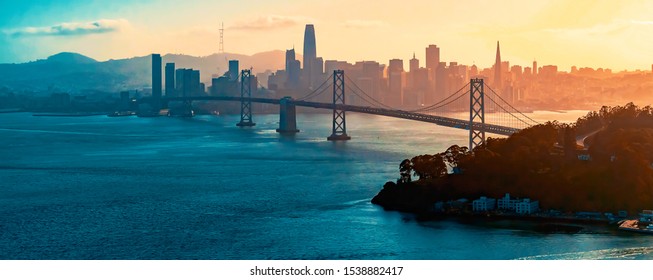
[{"x": 563, "y": 33}]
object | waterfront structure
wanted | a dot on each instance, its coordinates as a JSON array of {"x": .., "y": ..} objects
[
  {"x": 170, "y": 79},
  {"x": 526, "y": 206},
  {"x": 520, "y": 206},
  {"x": 506, "y": 203},
  {"x": 484, "y": 204}
]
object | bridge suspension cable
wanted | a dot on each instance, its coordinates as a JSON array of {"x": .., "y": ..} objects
[
  {"x": 532, "y": 122},
  {"x": 438, "y": 105},
  {"x": 369, "y": 100},
  {"x": 373, "y": 101},
  {"x": 315, "y": 92}
]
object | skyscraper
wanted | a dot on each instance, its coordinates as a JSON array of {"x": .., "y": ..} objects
[
  {"x": 395, "y": 82},
  {"x": 414, "y": 63},
  {"x": 432, "y": 64},
  {"x": 534, "y": 67},
  {"x": 292, "y": 69},
  {"x": 497, "y": 69},
  {"x": 441, "y": 74},
  {"x": 432, "y": 57},
  {"x": 310, "y": 55},
  {"x": 170, "y": 79},
  {"x": 156, "y": 76},
  {"x": 290, "y": 56},
  {"x": 233, "y": 70}
]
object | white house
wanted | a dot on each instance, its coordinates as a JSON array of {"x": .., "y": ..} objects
[
  {"x": 483, "y": 204},
  {"x": 506, "y": 203},
  {"x": 526, "y": 206}
]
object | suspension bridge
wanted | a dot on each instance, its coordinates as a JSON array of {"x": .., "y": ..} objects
[{"x": 503, "y": 119}]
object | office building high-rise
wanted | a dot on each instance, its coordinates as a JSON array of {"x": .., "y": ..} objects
[
  {"x": 310, "y": 55},
  {"x": 310, "y": 48},
  {"x": 441, "y": 75},
  {"x": 179, "y": 82},
  {"x": 414, "y": 63},
  {"x": 187, "y": 82},
  {"x": 156, "y": 76},
  {"x": 292, "y": 69},
  {"x": 413, "y": 66},
  {"x": 432, "y": 64},
  {"x": 395, "y": 82},
  {"x": 432, "y": 57},
  {"x": 233, "y": 70},
  {"x": 290, "y": 56},
  {"x": 170, "y": 79},
  {"x": 195, "y": 83},
  {"x": 534, "y": 68}
]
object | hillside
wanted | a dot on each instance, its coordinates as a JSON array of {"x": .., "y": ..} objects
[
  {"x": 72, "y": 72},
  {"x": 542, "y": 163}
]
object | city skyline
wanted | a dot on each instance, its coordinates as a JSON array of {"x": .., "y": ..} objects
[{"x": 598, "y": 35}]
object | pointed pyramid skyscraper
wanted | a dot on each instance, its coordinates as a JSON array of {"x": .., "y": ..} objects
[{"x": 497, "y": 69}]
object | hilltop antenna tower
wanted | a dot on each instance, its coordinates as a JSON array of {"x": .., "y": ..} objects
[{"x": 221, "y": 48}]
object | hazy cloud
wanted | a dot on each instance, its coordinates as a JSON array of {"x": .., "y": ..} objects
[
  {"x": 271, "y": 22},
  {"x": 355, "y": 23},
  {"x": 641, "y": 22},
  {"x": 614, "y": 27},
  {"x": 72, "y": 28}
]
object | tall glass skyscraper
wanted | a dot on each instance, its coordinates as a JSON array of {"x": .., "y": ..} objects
[
  {"x": 156, "y": 76},
  {"x": 170, "y": 79},
  {"x": 310, "y": 55}
]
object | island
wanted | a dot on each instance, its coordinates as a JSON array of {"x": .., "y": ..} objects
[{"x": 598, "y": 168}]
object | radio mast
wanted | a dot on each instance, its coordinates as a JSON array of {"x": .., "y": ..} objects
[{"x": 221, "y": 49}]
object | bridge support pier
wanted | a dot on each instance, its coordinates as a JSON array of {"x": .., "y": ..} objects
[
  {"x": 339, "y": 129},
  {"x": 476, "y": 113},
  {"x": 245, "y": 105},
  {"x": 287, "y": 117}
]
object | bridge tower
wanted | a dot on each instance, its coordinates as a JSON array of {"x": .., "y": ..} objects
[
  {"x": 339, "y": 131},
  {"x": 245, "y": 93},
  {"x": 476, "y": 113},
  {"x": 287, "y": 116}
]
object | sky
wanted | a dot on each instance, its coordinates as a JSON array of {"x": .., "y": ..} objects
[{"x": 608, "y": 34}]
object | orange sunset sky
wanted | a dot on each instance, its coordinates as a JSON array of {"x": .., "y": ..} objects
[{"x": 610, "y": 34}]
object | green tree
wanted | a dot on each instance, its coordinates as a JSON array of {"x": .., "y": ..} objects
[{"x": 405, "y": 171}]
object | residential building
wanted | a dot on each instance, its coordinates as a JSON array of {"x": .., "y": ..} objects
[{"x": 484, "y": 204}]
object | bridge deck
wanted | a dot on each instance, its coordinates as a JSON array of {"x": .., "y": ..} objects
[{"x": 443, "y": 121}]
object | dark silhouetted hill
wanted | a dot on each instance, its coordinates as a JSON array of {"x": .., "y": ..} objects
[{"x": 73, "y": 72}]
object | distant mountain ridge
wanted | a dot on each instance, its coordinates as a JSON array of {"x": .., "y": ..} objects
[{"x": 74, "y": 72}]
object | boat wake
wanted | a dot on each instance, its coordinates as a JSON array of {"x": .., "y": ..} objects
[{"x": 637, "y": 253}]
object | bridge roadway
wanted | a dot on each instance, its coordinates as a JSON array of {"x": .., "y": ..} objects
[{"x": 442, "y": 121}]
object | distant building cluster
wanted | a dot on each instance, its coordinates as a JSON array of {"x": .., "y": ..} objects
[
  {"x": 506, "y": 203},
  {"x": 529, "y": 87}
]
